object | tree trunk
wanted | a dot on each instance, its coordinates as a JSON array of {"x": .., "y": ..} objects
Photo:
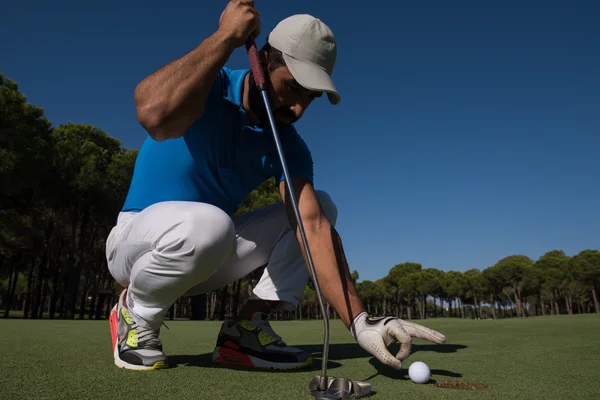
[
  {"x": 30, "y": 282},
  {"x": 11, "y": 291},
  {"x": 492, "y": 306},
  {"x": 76, "y": 269},
  {"x": 213, "y": 304},
  {"x": 55, "y": 280},
  {"x": 224, "y": 294},
  {"x": 462, "y": 308},
  {"x": 84, "y": 294},
  {"x": 95, "y": 291},
  {"x": 99, "y": 305},
  {"x": 207, "y": 298},
  {"x": 37, "y": 291},
  {"x": 517, "y": 302},
  {"x": 110, "y": 301},
  {"x": 595, "y": 297},
  {"x": 236, "y": 297},
  {"x": 10, "y": 279},
  {"x": 542, "y": 306},
  {"x": 569, "y": 302},
  {"x": 557, "y": 312},
  {"x": 43, "y": 266},
  {"x": 44, "y": 297}
]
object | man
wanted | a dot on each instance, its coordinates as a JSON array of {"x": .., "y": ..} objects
[{"x": 209, "y": 146}]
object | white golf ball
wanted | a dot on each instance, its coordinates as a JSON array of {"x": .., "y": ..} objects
[{"x": 419, "y": 372}]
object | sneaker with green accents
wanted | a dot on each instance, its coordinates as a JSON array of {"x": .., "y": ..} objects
[
  {"x": 253, "y": 344},
  {"x": 134, "y": 346}
]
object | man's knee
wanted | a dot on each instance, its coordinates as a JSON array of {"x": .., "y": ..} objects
[
  {"x": 201, "y": 240},
  {"x": 328, "y": 206}
]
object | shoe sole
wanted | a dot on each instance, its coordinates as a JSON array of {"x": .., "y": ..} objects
[
  {"x": 123, "y": 364},
  {"x": 231, "y": 358}
]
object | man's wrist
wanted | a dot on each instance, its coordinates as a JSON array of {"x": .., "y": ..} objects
[
  {"x": 225, "y": 41},
  {"x": 357, "y": 323}
]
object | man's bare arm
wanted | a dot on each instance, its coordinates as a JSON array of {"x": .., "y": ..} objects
[
  {"x": 327, "y": 252},
  {"x": 169, "y": 100}
]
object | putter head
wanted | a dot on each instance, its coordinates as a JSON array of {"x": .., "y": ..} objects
[{"x": 338, "y": 389}]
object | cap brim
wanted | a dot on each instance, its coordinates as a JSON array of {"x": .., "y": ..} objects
[{"x": 312, "y": 77}]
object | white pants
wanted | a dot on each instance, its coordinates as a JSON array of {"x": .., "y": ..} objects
[{"x": 176, "y": 248}]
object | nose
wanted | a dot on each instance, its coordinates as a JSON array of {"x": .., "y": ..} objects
[
  {"x": 298, "y": 110},
  {"x": 300, "y": 106}
]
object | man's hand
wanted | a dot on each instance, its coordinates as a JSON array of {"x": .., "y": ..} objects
[
  {"x": 376, "y": 334},
  {"x": 238, "y": 21}
]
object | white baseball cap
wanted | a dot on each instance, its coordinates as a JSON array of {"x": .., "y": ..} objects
[{"x": 309, "y": 51}]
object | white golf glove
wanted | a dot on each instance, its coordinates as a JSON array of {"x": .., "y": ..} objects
[{"x": 376, "y": 334}]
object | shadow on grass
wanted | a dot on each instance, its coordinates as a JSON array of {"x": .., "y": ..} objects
[
  {"x": 403, "y": 373},
  {"x": 337, "y": 352},
  {"x": 347, "y": 351},
  {"x": 205, "y": 361}
]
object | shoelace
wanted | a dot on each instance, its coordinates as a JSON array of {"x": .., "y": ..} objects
[{"x": 145, "y": 336}]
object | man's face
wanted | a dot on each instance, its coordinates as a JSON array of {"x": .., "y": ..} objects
[{"x": 288, "y": 98}]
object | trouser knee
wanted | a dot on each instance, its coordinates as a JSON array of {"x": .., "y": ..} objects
[{"x": 202, "y": 240}]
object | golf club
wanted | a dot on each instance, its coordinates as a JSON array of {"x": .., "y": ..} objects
[{"x": 321, "y": 387}]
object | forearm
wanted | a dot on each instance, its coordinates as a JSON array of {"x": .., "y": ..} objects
[
  {"x": 172, "y": 98},
  {"x": 332, "y": 269}
]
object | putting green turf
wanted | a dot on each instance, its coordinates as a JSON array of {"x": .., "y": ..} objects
[{"x": 531, "y": 358}]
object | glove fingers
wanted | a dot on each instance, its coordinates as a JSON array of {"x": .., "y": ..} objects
[
  {"x": 404, "y": 351},
  {"x": 378, "y": 348},
  {"x": 421, "y": 332},
  {"x": 403, "y": 337}
]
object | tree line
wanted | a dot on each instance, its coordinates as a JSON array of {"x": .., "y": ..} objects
[
  {"x": 515, "y": 286},
  {"x": 61, "y": 188}
]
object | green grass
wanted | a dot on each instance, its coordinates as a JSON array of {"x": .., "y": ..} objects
[{"x": 532, "y": 358}]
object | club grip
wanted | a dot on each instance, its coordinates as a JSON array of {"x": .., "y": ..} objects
[{"x": 257, "y": 70}]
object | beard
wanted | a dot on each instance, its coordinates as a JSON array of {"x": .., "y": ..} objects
[{"x": 281, "y": 114}]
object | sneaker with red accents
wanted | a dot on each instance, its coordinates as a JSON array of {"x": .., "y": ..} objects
[
  {"x": 134, "y": 346},
  {"x": 253, "y": 344}
]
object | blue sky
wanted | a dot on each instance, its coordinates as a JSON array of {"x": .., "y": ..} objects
[{"x": 467, "y": 130}]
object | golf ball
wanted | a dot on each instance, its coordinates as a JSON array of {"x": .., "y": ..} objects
[{"x": 419, "y": 372}]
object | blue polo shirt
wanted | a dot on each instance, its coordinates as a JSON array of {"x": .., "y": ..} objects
[{"x": 220, "y": 159}]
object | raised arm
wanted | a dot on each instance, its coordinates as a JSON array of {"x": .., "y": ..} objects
[{"x": 169, "y": 100}]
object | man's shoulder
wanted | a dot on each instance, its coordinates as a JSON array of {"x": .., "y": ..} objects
[{"x": 228, "y": 84}]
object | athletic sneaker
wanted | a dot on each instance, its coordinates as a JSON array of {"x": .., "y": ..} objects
[
  {"x": 134, "y": 346},
  {"x": 253, "y": 344}
]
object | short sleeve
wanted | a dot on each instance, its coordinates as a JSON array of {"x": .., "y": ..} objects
[
  {"x": 298, "y": 156},
  {"x": 220, "y": 88}
]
